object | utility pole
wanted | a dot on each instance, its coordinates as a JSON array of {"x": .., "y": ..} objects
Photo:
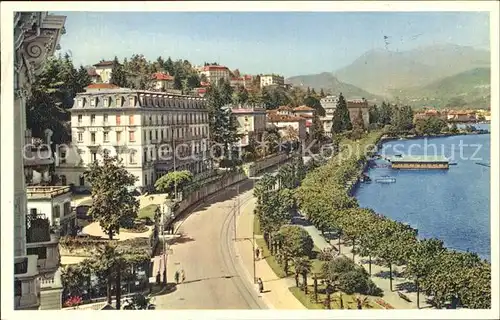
[{"x": 253, "y": 254}]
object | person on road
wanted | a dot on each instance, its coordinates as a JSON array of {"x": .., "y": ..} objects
[
  {"x": 183, "y": 276},
  {"x": 177, "y": 275},
  {"x": 261, "y": 285},
  {"x": 257, "y": 253}
]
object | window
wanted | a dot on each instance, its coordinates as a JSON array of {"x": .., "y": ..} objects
[
  {"x": 105, "y": 118},
  {"x": 145, "y": 180},
  {"x": 33, "y": 211},
  {"x": 106, "y": 136},
  {"x": 63, "y": 180},
  {"x": 156, "y": 135},
  {"x": 150, "y": 135},
  {"x": 132, "y": 101},
  {"x": 80, "y": 117},
  {"x": 80, "y": 103},
  {"x": 92, "y": 119},
  {"x": 92, "y": 137},
  {"x": 67, "y": 208},
  {"x": 93, "y": 102},
  {"x": 56, "y": 213},
  {"x": 118, "y": 136},
  {"x": 41, "y": 252},
  {"x": 80, "y": 137},
  {"x": 131, "y": 136},
  {"x": 132, "y": 157},
  {"x": 106, "y": 102},
  {"x": 118, "y": 101},
  {"x": 131, "y": 119},
  {"x": 161, "y": 133},
  {"x": 162, "y": 120},
  {"x": 63, "y": 156},
  {"x": 150, "y": 120},
  {"x": 118, "y": 120},
  {"x": 93, "y": 156}
]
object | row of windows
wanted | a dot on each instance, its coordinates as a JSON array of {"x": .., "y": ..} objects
[
  {"x": 189, "y": 118},
  {"x": 159, "y": 135},
  {"x": 161, "y": 101}
]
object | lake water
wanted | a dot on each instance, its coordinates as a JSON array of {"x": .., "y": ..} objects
[{"x": 451, "y": 205}]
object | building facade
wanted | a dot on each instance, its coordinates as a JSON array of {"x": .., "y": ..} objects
[
  {"x": 214, "y": 73},
  {"x": 329, "y": 103},
  {"x": 104, "y": 69},
  {"x": 271, "y": 79},
  {"x": 143, "y": 128},
  {"x": 290, "y": 127},
  {"x": 162, "y": 81},
  {"x": 307, "y": 113},
  {"x": 251, "y": 122},
  {"x": 356, "y": 106},
  {"x": 36, "y": 38}
]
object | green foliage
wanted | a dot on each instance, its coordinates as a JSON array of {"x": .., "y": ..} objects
[
  {"x": 52, "y": 95},
  {"x": 296, "y": 241},
  {"x": 454, "y": 128},
  {"x": 169, "y": 181},
  {"x": 429, "y": 126},
  {"x": 113, "y": 206},
  {"x": 341, "y": 120},
  {"x": 317, "y": 130},
  {"x": 118, "y": 76}
]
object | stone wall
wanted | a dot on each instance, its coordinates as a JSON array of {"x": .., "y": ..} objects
[{"x": 255, "y": 168}]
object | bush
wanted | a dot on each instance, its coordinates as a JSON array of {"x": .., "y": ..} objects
[{"x": 353, "y": 281}]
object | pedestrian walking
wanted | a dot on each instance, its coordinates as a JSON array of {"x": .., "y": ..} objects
[
  {"x": 158, "y": 276},
  {"x": 177, "y": 275},
  {"x": 257, "y": 253},
  {"x": 183, "y": 276},
  {"x": 261, "y": 285}
]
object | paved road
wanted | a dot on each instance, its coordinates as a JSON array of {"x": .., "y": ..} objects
[{"x": 205, "y": 251}]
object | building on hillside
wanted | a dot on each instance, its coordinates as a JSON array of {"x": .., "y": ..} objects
[
  {"x": 248, "y": 81},
  {"x": 307, "y": 113},
  {"x": 430, "y": 113},
  {"x": 329, "y": 103},
  {"x": 214, "y": 73},
  {"x": 251, "y": 122},
  {"x": 104, "y": 69},
  {"x": 140, "y": 127},
  {"x": 37, "y": 283},
  {"x": 354, "y": 106},
  {"x": 271, "y": 79},
  {"x": 162, "y": 81},
  {"x": 290, "y": 127},
  {"x": 461, "y": 116},
  {"x": 94, "y": 76},
  {"x": 237, "y": 82}
]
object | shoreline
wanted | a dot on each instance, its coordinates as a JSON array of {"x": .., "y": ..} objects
[{"x": 353, "y": 184}]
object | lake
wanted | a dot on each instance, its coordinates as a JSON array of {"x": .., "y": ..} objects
[{"x": 451, "y": 205}]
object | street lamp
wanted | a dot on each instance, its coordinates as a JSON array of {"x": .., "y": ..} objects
[{"x": 166, "y": 213}]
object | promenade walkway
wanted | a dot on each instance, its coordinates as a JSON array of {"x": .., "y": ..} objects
[
  {"x": 380, "y": 274},
  {"x": 276, "y": 294}
]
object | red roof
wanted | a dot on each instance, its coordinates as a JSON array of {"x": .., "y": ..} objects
[
  {"x": 202, "y": 90},
  {"x": 162, "y": 76},
  {"x": 237, "y": 79},
  {"x": 303, "y": 108},
  {"x": 285, "y": 108},
  {"x": 104, "y": 64},
  {"x": 102, "y": 86},
  {"x": 212, "y": 67},
  {"x": 283, "y": 118}
]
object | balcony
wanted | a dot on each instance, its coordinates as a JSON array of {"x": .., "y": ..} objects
[
  {"x": 48, "y": 254},
  {"x": 25, "y": 283}
]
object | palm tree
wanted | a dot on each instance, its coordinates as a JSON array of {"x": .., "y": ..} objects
[{"x": 303, "y": 267}]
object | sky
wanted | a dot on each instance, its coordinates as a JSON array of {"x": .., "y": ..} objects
[{"x": 288, "y": 43}]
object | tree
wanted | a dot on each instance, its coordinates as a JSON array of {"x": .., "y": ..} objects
[
  {"x": 423, "y": 256},
  {"x": 296, "y": 243},
  {"x": 302, "y": 266},
  {"x": 341, "y": 120},
  {"x": 113, "y": 206},
  {"x": 384, "y": 114},
  {"x": 374, "y": 114},
  {"x": 358, "y": 126},
  {"x": 313, "y": 102},
  {"x": 118, "y": 76},
  {"x": 322, "y": 93},
  {"x": 222, "y": 125},
  {"x": 454, "y": 128},
  {"x": 173, "y": 180}
]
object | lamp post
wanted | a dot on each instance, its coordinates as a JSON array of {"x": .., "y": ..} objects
[{"x": 166, "y": 213}]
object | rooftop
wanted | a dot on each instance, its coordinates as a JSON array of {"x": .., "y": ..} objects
[
  {"x": 419, "y": 158},
  {"x": 102, "y": 86},
  {"x": 283, "y": 118},
  {"x": 304, "y": 108},
  {"x": 104, "y": 64},
  {"x": 162, "y": 76},
  {"x": 213, "y": 67},
  {"x": 45, "y": 192}
]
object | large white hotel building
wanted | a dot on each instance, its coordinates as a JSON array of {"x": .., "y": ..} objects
[{"x": 140, "y": 127}]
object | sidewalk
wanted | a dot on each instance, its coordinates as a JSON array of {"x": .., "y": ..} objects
[
  {"x": 276, "y": 294},
  {"x": 390, "y": 297}
]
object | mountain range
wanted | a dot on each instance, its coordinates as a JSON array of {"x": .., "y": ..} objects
[{"x": 432, "y": 73}]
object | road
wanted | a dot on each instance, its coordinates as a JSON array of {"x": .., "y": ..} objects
[{"x": 215, "y": 278}]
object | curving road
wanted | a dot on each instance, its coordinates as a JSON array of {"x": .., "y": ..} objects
[{"x": 205, "y": 250}]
